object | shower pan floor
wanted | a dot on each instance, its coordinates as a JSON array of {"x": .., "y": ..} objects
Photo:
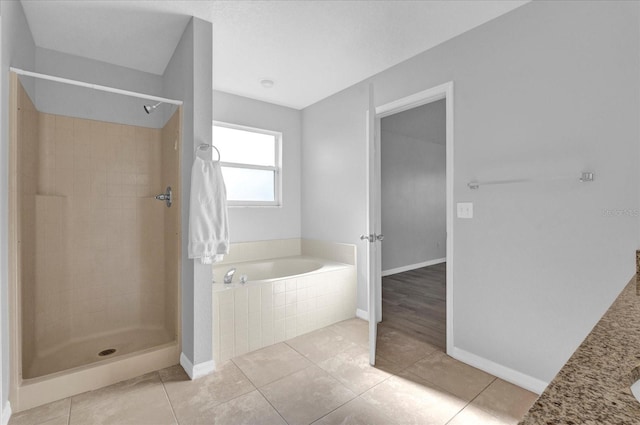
[{"x": 87, "y": 351}]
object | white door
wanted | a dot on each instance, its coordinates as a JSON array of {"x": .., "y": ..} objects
[
  {"x": 374, "y": 211},
  {"x": 373, "y": 236}
]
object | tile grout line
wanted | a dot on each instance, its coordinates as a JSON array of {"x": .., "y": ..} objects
[
  {"x": 484, "y": 389},
  {"x": 238, "y": 396},
  {"x": 272, "y": 406},
  {"x": 482, "y": 408},
  {"x": 232, "y": 398},
  {"x": 471, "y": 401},
  {"x": 166, "y": 394},
  {"x": 342, "y": 405},
  {"x": 293, "y": 348},
  {"x": 260, "y": 392},
  {"x": 357, "y": 396},
  {"x": 458, "y": 412},
  {"x": 403, "y": 369},
  {"x": 438, "y": 386},
  {"x": 314, "y": 362},
  {"x": 427, "y": 380},
  {"x": 276, "y": 380},
  {"x": 317, "y": 364},
  {"x": 468, "y": 403},
  {"x": 70, "y": 406}
]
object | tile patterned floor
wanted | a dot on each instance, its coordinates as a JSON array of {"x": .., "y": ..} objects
[{"x": 320, "y": 378}]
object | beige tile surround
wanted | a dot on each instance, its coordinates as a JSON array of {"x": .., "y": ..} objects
[
  {"x": 95, "y": 247},
  {"x": 283, "y": 384},
  {"x": 99, "y": 233},
  {"x": 28, "y": 176}
]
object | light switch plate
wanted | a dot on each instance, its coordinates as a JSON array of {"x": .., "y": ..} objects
[{"x": 465, "y": 209}]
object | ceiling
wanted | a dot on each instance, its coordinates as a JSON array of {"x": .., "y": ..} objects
[{"x": 311, "y": 49}]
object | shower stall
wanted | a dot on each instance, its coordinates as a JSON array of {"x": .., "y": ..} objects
[{"x": 96, "y": 259}]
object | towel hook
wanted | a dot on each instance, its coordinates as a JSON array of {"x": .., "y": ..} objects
[{"x": 205, "y": 146}]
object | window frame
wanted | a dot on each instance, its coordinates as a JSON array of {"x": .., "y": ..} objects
[{"x": 277, "y": 168}]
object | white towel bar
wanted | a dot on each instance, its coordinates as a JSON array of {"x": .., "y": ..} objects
[{"x": 586, "y": 176}]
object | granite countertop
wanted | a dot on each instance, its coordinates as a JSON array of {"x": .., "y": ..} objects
[{"x": 593, "y": 387}]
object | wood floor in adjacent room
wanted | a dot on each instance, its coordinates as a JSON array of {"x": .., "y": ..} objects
[{"x": 414, "y": 302}]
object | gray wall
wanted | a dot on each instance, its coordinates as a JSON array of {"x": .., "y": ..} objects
[
  {"x": 64, "y": 99},
  {"x": 3, "y": 278},
  {"x": 266, "y": 223},
  {"x": 426, "y": 122},
  {"x": 18, "y": 49},
  {"x": 202, "y": 132},
  {"x": 413, "y": 165},
  {"x": 334, "y": 185},
  {"x": 188, "y": 77},
  {"x": 549, "y": 89}
]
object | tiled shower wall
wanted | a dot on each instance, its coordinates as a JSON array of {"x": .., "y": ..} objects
[
  {"x": 91, "y": 231},
  {"x": 170, "y": 176},
  {"x": 27, "y": 169}
]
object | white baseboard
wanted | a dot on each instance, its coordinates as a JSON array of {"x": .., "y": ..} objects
[
  {"x": 517, "y": 378},
  {"x": 196, "y": 371},
  {"x": 5, "y": 415},
  {"x": 361, "y": 314},
  {"x": 413, "y": 266}
]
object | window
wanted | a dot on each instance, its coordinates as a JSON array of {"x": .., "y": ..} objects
[{"x": 250, "y": 163}]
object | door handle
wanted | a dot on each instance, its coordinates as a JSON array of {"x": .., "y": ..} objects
[{"x": 371, "y": 238}]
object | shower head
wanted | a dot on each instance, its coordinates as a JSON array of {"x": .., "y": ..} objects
[{"x": 150, "y": 108}]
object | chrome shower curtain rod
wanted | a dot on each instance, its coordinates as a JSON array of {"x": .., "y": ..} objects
[{"x": 94, "y": 86}]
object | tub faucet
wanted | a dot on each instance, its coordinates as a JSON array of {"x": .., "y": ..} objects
[{"x": 229, "y": 275}]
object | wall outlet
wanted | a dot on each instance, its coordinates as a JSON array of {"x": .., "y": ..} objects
[{"x": 465, "y": 209}]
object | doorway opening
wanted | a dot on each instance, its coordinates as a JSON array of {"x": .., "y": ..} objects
[
  {"x": 411, "y": 203},
  {"x": 413, "y": 214}
]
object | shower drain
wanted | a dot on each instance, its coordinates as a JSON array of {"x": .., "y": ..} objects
[{"x": 107, "y": 352}]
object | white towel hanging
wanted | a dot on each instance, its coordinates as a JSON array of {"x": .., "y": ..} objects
[{"x": 208, "y": 222}]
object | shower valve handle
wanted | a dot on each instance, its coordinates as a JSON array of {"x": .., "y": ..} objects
[{"x": 166, "y": 197}]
